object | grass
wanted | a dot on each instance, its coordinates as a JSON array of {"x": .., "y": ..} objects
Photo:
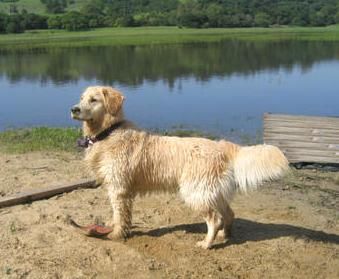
[
  {"x": 8, "y": 270},
  {"x": 39, "y": 139},
  {"x": 160, "y": 35},
  {"x": 64, "y": 139},
  {"x": 12, "y": 227}
]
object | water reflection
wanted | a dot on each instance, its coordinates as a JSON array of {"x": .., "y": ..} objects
[{"x": 132, "y": 65}]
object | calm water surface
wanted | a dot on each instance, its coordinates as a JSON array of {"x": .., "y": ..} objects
[{"x": 222, "y": 88}]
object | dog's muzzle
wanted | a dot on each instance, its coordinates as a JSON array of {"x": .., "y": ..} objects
[{"x": 75, "y": 110}]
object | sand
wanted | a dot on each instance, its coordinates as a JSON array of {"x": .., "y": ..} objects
[{"x": 287, "y": 229}]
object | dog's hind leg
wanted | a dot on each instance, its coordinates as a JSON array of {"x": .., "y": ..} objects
[
  {"x": 227, "y": 220},
  {"x": 213, "y": 222}
]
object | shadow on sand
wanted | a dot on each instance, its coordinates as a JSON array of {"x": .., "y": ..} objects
[{"x": 245, "y": 230}]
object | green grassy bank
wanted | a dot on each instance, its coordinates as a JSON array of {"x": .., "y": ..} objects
[
  {"x": 39, "y": 139},
  {"x": 62, "y": 139},
  {"x": 159, "y": 35}
]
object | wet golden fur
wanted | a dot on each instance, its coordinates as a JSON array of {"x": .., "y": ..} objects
[{"x": 206, "y": 173}]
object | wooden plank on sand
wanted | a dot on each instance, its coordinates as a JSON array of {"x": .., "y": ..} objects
[
  {"x": 47, "y": 192},
  {"x": 306, "y": 139}
]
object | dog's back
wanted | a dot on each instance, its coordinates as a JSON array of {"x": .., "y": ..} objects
[{"x": 167, "y": 163}]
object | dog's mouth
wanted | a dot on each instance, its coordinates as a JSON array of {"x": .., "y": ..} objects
[
  {"x": 79, "y": 116},
  {"x": 76, "y": 117},
  {"x": 76, "y": 113}
]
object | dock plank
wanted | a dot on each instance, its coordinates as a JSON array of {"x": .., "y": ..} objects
[{"x": 304, "y": 138}]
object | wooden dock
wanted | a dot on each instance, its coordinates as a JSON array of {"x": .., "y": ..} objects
[{"x": 305, "y": 139}]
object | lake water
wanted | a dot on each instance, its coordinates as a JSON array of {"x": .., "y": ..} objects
[{"x": 222, "y": 88}]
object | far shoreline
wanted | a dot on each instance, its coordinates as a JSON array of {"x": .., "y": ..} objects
[{"x": 37, "y": 39}]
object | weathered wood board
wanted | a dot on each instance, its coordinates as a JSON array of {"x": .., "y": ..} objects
[
  {"x": 47, "y": 192},
  {"x": 304, "y": 138}
]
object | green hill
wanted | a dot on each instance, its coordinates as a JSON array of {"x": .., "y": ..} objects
[{"x": 35, "y": 6}]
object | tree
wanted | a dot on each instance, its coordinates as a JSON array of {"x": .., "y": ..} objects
[
  {"x": 74, "y": 21},
  {"x": 191, "y": 14},
  {"x": 317, "y": 19},
  {"x": 15, "y": 24},
  {"x": 94, "y": 11},
  {"x": 124, "y": 21},
  {"x": 54, "y": 22},
  {"x": 214, "y": 13},
  {"x": 262, "y": 20},
  {"x": 337, "y": 17},
  {"x": 55, "y": 6},
  {"x": 13, "y": 9},
  {"x": 298, "y": 21},
  {"x": 34, "y": 21},
  {"x": 3, "y": 22}
]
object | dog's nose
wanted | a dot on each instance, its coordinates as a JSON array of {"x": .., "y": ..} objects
[{"x": 75, "y": 109}]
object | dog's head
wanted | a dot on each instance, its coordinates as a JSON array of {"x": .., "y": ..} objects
[{"x": 96, "y": 102}]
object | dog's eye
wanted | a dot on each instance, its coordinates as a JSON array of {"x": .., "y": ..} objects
[{"x": 93, "y": 100}]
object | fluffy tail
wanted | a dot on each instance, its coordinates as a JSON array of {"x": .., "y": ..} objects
[{"x": 256, "y": 164}]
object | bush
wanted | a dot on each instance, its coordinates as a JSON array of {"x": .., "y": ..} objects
[
  {"x": 3, "y": 22},
  {"x": 124, "y": 21},
  {"x": 262, "y": 20},
  {"x": 337, "y": 17},
  {"x": 54, "y": 22},
  {"x": 15, "y": 24},
  {"x": 74, "y": 21},
  {"x": 55, "y": 6},
  {"x": 33, "y": 21}
]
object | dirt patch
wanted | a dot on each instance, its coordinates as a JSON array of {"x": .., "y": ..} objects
[
  {"x": 20, "y": 172},
  {"x": 287, "y": 229}
]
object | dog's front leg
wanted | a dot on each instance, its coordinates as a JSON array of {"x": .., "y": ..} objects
[
  {"x": 213, "y": 224},
  {"x": 122, "y": 214}
]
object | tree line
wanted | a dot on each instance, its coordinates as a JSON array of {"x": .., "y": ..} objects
[{"x": 182, "y": 13}]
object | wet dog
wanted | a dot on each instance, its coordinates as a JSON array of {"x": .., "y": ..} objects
[{"x": 130, "y": 161}]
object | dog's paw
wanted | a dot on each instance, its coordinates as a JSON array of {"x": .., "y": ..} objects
[
  {"x": 204, "y": 244},
  {"x": 224, "y": 235},
  {"x": 118, "y": 233},
  {"x": 221, "y": 234}
]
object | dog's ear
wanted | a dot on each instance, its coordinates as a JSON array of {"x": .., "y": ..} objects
[{"x": 113, "y": 100}]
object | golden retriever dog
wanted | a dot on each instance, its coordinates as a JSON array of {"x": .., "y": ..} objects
[{"x": 129, "y": 162}]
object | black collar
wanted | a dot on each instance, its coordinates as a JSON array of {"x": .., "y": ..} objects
[{"x": 90, "y": 140}]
